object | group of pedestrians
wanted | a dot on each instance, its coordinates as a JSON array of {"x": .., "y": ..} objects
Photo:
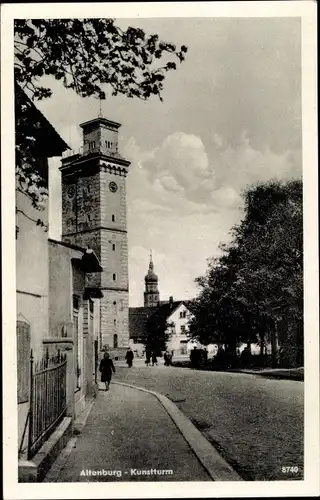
[
  {"x": 151, "y": 357},
  {"x": 107, "y": 368}
]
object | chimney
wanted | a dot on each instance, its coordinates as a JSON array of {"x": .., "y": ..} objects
[{"x": 171, "y": 301}]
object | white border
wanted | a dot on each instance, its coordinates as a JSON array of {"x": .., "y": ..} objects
[{"x": 310, "y": 485}]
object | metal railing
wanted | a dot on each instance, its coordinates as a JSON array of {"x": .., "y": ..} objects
[
  {"x": 48, "y": 398},
  {"x": 84, "y": 150}
]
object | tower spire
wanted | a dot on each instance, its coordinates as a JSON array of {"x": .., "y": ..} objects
[
  {"x": 102, "y": 97},
  {"x": 151, "y": 262},
  {"x": 151, "y": 294}
]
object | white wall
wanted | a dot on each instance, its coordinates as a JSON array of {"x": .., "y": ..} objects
[
  {"x": 179, "y": 339},
  {"x": 32, "y": 270}
]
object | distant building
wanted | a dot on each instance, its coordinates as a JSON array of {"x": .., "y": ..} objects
[
  {"x": 175, "y": 312},
  {"x": 151, "y": 294}
]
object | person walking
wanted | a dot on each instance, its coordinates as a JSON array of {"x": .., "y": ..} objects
[
  {"x": 148, "y": 357},
  {"x": 129, "y": 357},
  {"x": 167, "y": 358},
  {"x": 106, "y": 368},
  {"x": 154, "y": 359}
]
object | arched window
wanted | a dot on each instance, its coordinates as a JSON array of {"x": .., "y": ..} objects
[
  {"x": 114, "y": 276},
  {"x": 115, "y": 340}
]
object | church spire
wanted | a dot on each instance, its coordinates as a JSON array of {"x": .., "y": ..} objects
[
  {"x": 151, "y": 294},
  {"x": 151, "y": 266}
]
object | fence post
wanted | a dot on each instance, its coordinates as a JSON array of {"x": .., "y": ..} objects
[
  {"x": 70, "y": 381},
  {"x": 30, "y": 433}
]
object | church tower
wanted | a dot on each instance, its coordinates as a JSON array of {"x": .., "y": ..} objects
[
  {"x": 94, "y": 215},
  {"x": 151, "y": 294}
]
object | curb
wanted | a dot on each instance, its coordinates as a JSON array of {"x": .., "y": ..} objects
[
  {"x": 217, "y": 468},
  {"x": 53, "y": 474}
]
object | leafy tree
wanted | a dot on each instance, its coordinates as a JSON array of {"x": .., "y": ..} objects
[
  {"x": 255, "y": 290},
  {"x": 156, "y": 333},
  {"x": 271, "y": 241},
  {"x": 85, "y": 55}
]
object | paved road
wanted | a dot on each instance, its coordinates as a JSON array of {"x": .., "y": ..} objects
[{"x": 255, "y": 423}]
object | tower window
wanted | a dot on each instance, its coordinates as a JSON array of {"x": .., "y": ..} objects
[
  {"x": 114, "y": 277},
  {"x": 113, "y": 246},
  {"x": 115, "y": 340},
  {"x": 113, "y": 218},
  {"x": 115, "y": 322},
  {"x": 92, "y": 144}
]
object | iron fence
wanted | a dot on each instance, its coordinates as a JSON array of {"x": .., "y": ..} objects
[{"x": 48, "y": 401}]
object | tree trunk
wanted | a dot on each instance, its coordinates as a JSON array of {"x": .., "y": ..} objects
[
  {"x": 261, "y": 345},
  {"x": 274, "y": 345}
]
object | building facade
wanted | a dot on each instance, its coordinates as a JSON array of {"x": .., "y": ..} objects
[
  {"x": 94, "y": 215},
  {"x": 72, "y": 312},
  {"x": 32, "y": 253}
]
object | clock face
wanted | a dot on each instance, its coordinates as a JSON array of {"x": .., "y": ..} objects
[
  {"x": 71, "y": 191},
  {"x": 113, "y": 187}
]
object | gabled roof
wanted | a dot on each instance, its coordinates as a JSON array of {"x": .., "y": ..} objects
[
  {"x": 89, "y": 261},
  {"x": 48, "y": 141},
  {"x": 139, "y": 316}
]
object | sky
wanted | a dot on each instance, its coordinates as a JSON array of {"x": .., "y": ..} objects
[{"x": 230, "y": 116}]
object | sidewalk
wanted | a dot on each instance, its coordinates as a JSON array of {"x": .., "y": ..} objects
[{"x": 127, "y": 432}]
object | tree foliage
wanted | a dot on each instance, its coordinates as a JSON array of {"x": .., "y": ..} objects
[
  {"x": 254, "y": 291},
  {"x": 88, "y": 53},
  {"x": 31, "y": 161},
  {"x": 85, "y": 55},
  {"x": 156, "y": 333}
]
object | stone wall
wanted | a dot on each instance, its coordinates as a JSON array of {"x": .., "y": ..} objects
[{"x": 114, "y": 318}]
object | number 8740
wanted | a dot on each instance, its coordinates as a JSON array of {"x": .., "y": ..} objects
[{"x": 288, "y": 469}]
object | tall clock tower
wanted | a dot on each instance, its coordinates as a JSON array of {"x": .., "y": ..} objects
[{"x": 94, "y": 215}]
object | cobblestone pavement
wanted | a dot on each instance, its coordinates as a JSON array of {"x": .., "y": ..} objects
[
  {"x": 128, "y": 431},
  {"x": 255, "y": 423}
]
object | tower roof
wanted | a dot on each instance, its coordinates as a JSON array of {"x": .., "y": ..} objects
[
  {"x": 151, "y": 276},
  {"x": 100, "y": 121}
]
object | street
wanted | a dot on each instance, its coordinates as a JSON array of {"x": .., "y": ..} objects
[{"x": 255, "y": 423}]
